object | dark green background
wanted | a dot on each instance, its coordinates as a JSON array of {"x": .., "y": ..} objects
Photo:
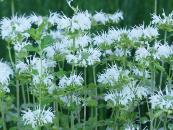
[{"x": 135, "y": 11}]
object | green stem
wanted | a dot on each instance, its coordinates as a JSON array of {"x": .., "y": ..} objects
[
  {"x": 28, "y": 96},
  {"x": 140, "y": 125},
  {"x": 10, "y": 55},
  {"x": 18, "y": 102},
  {"x": 165, "y": 122},
  {"x": 96, "y": 95},
  {"x": 155, "y": 6},
  {"x": 72, "y": 121},
  {"x": 3, "y": 114},
  {"x": 23, "y": 94},
  {"x": 161, "y": 76},
  {"x": 165, "y": 37},
  {"x": 85, "y": 95},
  {"x": 12, "y": 7}
]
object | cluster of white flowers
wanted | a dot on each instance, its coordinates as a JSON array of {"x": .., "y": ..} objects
[
  {"x": 163, "y": 19},
  {"x": 128, "y": 93},
  {"x": 37, "y": 117},
  {"x": 73, "y": 80},
  {"x": 141, "y": 53},
  {"x": 162, "y": 50},
  {"x": 143, "y": 33},
  {"x": 111, "y": 75},
  {"x": 5, "y": 73},
  {"x": 103, "y": 18},
  {"x": 70, "y": 99},
  {"x": 10, "y": 28},
  {"x": 162, "y": 100},
  {"x": 84, "y": 57}
]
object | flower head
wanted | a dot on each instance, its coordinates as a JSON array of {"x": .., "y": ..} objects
[
  {"x": 37, "y": 117},
  {"x": 72, "y": 80}
]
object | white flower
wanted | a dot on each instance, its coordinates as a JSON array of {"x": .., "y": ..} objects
[
  {"x": 129, "y": 92},
  {"x": 162, "y": 51},
  {"x": 73, "y": 80},
  {"x": 141, "y": 73},
  {"x": 20, "y": 45},
  {"x": 81, "y": 21},
  {"x": 116, "y": 17},
  {"x": 119, "y": 52},
  {"x": 69, "y": 99},
  {"x": 63, "y": 22},
  {"x": 141, "y": 53},
  {"x": 57, "y": 35},
  {"x": 10, "y": 28},
  {"x": 21, "y": 67},
  {"x": 49, "y": 51},
  {"x": 143, "y": 33},
  {"x": 5, "y": 73},
  {"x": 161, "y": 100},
  {"x": 102, "y": 39},
  {"x": 111, "y": 75},
  {"x": 34, "y": 19},
  {"x": 116, "y": 34},
  {"x": 37, "y": 117},
  {"x": 82, "y": 41},
  {"x": 100, "y": 17},
  {"x": 53, "y": 18},
  {"x": 84, "y": 57},
  {"x": 163, "y": 19}
]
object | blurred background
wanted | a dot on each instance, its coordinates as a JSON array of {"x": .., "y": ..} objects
[{"x": 135, "y": 11}]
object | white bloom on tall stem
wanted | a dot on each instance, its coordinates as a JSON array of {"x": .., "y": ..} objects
[
  {"x": 116, "y": 34},
  {"x": 10, "y": 28},
  {"x": 162, "y": 50},
  {"x": 110, "y": 76},
  {"x": 81, "y": 21},
  {"x": 5, "y": 73},
  {"x": 34, "y": 19},
  {"x": 128, "y": 93},
  {"x": 69, "y": 99},
  {"x": 141, "y": 54},
  {"x": 83, "y": 41},
  {"x": 37, "y": 117},
  {"x": 143, "y": 33},
  {"x": 102, "y": 39},
  {"x": 100, "y": 17},
  {"x": 116, "y": 17},
  {"x": 72, "y": 80},
  {"x": 53, "y": 18},
  {"x": 162, "y": 100},
  {"x": 19, "y": 46},
  {"x": 84, "y": 57},
  {"x": 161, "y": 20}
]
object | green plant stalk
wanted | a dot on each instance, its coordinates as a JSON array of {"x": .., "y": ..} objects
[
  {"x": 3, "y": 114},
  {"x": 161, "y": 76},
  {"x": 23, "y": 94},
  {"x": 140, "y": 125},
  {"x": 165, "y": 122},
  {"x": 155, "y": 6},
  {"x": 150, "y": 116},
  {"x": 12, "y": 7},
  {"x": 72, "y": 121},
  {"x": 41, "y": 71},
  {"x": 96, "y": 95},
  {"x": 57, "y": 112},
  {"x": 28, "y": 96},
  {"x": 165, "y": 37},
  {"x": 18, "y": 102},
  {"x": 85, "y": 95},
  {"x": 10, "y": 55}
]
